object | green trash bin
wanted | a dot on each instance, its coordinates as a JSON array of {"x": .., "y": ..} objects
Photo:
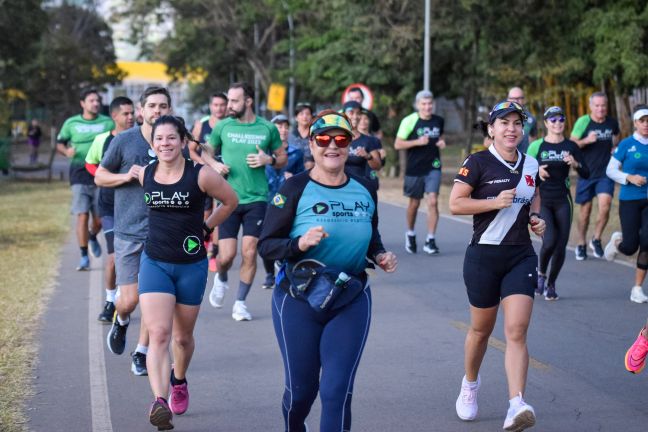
[{"x": 5, "y": 153}]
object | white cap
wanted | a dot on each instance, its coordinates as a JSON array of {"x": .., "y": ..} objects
[{"x": 640, "y": 113}]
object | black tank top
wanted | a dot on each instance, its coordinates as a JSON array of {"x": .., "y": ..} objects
[
  {"x": 205, "y": 131},
  {"x": 175, "y": 216}
]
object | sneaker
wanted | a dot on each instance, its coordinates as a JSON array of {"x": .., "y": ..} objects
[
  {"x": 635, "y": 358},
  {"x": 95, "y": 248},
  {"x": 467, "y": 401},
  {"x": 160, "y": 415},
  {"x": 138, "y": 364},
  {"x": 84, "y": 264},
  {"x": 107, "y": 313},
  {"x": 240, "y": 312},
  {"x": 410, "y": 243},
  {"x": 217, "y": 293},
  {"x": 597, "y": 249},
  {"x": 581, "y": 253},
  {"x": 269, "y": 282},
  {"x": 430, "y": 247},
  {"x": 520, "y": 417},
  {"x": 540, "y": 287},
  {"x": 179, "y": 399},
  {"x": 116, "y": 338},
  {"x": 637, "y": 295},
  {"x": 550, "y": 293},
  {"x": 611, "y": 248}
]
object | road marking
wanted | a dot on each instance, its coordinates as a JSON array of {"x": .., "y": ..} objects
[
  {"x": 99, "y": 402},
  {"x": 501, "y": 346}
]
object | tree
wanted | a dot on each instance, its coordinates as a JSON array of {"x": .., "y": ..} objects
[{"x": 76, "y": 51}]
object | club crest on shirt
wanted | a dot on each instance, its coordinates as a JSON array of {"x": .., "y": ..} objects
[
  {"x": 279, "y": 200},
  {"x": 529, "y": 180}
]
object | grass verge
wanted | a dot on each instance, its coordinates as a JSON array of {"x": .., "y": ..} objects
[{"x": 34, "y": 219}]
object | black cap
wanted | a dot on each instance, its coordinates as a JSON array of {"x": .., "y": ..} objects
[
  {"x": 504, "y": 108},
  {"x": 351, "y": 105},
  {"x": 553, "y": 111}
]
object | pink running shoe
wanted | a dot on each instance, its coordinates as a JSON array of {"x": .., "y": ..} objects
[
  {"x": 179, "y": 398},
  {"x": 160, "y": 415},
  {"x": 635, "y": 358}
]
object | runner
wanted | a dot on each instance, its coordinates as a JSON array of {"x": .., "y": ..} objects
[
  {"x": 629, "y": 167},
  {"x": 516, "y": 94},
  {"x": 299, "y": 138},
  {"x": 363, "y": 128},
  {"x": 355, "y": 94},
  {"x": 79, "y": 131},
  {"x": 321, "y": 350},
  {"x": 421, "y": 135},
  {"x": 556, "y": 156},
  {"x": 34, "y": 134},
  {"x": 173, "y": 271},
  {"x": 363, "y": 153},
  {"x": 202, "y": 129},
  {"x": 123, "y": 115},
  {"x": 277, "y": 177},
  {"x": 129, "y": 152},
  {"x": 596, "y": 134},
  {"x": 497, "y": 187},
  {"x": 247, "y": 143}
]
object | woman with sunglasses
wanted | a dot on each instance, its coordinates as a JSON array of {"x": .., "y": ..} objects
[
  {"x": 629, "y": 167},
  {"x": 173, "y": 268},
  {"x": 326, "y": 215},
  {"x": 498, "y": 187},
  {"x": 556, "y": 156}
]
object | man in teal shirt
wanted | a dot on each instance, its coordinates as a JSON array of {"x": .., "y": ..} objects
[
  {"x": 74, "y": 141},
  {"x": 247, "y": 144}
]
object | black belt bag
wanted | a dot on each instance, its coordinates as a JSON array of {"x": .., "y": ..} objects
[{"x": 325, "y": 288}]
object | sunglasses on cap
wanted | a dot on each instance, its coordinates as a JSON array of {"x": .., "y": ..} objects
[
  {"x": 506, "y": 105},
  {"x": 555, "y": 119},
  {"x": 341, "y": 141}
]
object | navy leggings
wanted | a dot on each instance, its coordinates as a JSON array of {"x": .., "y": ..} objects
[
  {"x": 310, "y": 343},
  {"x": 557, "y": 214}
]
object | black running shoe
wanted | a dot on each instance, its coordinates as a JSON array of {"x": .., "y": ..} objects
[
  {"x": 410, "y": 243},
  {"x": 597, "y": 249},
  {"x": 116, "y": 338},
  {"x": 107, "y": 313},
  {"x": 138, "y": 365},
  {"x": 430, "y": 247},
  {"x": 550, "y": 293},
  {"x": 581, "y": 253},
  {"x": 269, "y": 281},
  {"x": 540, "y": 287}
]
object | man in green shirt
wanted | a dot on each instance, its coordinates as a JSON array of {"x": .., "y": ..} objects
[
  {"x": 247, "y": 143},
  {"x": 74, "y": 141}
]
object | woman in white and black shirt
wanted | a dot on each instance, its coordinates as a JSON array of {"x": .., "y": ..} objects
[{"x": 498, "y": 187}]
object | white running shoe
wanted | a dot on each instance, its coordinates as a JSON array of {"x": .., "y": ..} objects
[
  {"x": 217, "y": 293},
  {"x": 519, "y": 417},
  {"x": 611, "y": 248},
  {"x": 240, "y": 312},
  {"x": 637, "y": 295},
  {"x": 467, "y": 401}
]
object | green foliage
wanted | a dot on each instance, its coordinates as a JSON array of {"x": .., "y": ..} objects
[{"x": 76, "y": 51}]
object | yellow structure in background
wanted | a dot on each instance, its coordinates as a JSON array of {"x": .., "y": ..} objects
[
  {"x": 154, "y": 72},
  {"x": 276, "y": 97}
]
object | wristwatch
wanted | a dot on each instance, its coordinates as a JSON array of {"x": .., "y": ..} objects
[{"x": 274, "y": 159}]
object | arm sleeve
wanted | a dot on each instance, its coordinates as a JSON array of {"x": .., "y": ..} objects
[
  {"x": 579, "y": 127},
  {"x": 614, "y": 172},
  {"x": 407, "y": 126},
  {"x": 64, "y": 134},
  {"x": 469, "y": 172},
  {"x": 275, "y": 242}
]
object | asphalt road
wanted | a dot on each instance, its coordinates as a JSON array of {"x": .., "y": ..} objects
[{"x": 411, "y": 370}]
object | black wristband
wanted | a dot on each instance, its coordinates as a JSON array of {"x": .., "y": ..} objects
[
  {"x": 274, "y": 159},
  {"x": 207, "y": 229},
  {"x": 534, "y": 214}
]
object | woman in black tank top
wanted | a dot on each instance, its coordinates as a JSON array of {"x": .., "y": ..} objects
[{"x": 173, "y": 269}]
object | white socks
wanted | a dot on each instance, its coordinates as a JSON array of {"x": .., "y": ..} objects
[
  {"x": 110, "y": 295},
  {"x": 141, "y": 349}
]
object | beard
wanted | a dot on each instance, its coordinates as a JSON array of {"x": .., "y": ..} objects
[{"x": 236, "y": 114}]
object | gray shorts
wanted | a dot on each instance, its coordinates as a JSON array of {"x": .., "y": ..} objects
[
  {"x": 416, "y": 186},
  {"x": 127, "y": 260},
  {"x": 84, "y": 199}
]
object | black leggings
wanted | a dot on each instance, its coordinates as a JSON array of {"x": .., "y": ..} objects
[
  {"x": 634, "y": 227},
  {"x": 557, "y": 214}
]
